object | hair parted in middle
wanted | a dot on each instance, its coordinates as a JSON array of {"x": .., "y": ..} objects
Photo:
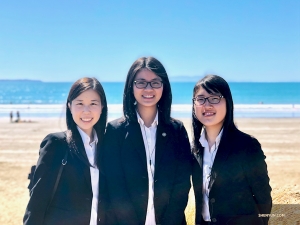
[
  {"x": 212, "y": 84},
  {"x": 163, "y": 105}
]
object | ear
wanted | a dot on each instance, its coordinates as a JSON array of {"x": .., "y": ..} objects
[{"x": 69, "y": 105}]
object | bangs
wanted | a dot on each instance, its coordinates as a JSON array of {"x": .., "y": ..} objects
[{"x": 210, "y": 88}]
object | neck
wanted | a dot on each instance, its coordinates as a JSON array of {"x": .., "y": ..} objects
[
  {"x": 147, "y": 114},
  {"x": 90, "y": 134},
  {"x": 212, "y": 134}
]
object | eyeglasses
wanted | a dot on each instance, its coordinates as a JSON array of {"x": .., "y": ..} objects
[
  {"x": 143, "y": 84},
  {"x": 212, "y": 100}
]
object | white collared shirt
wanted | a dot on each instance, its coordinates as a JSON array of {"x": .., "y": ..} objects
[
  {"x": 90, "y": 149},
  {"x": 149, "y": 137},
  {"x": 208, "y": 160}
]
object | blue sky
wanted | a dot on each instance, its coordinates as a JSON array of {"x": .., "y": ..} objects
[{"x": 249, "y": 40}]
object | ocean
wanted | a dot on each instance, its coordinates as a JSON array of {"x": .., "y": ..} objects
[{"x": 47, "y": 99}]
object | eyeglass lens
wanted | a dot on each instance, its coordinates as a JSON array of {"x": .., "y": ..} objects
[
  {"x": 144, "y": 84},
  {"x": 212, "y": 100}
]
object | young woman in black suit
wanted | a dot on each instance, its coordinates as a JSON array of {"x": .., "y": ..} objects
[
  {"x": 230, "y": 176},
  {"x": 80, "y": 186},
  {"x": 147, "y": 153}
]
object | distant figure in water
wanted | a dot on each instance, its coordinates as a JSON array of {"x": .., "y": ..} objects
[
  {"x": 18, "y": 117},
  {"x": 11, "y": 116}
]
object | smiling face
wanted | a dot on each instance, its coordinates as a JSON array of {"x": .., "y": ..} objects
[
  {"x": 210, "y": 115},
  {"x": 147, "y": 97},
  {"x": 86, "y": 110}
]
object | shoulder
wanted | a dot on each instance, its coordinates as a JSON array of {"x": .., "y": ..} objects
[
  {"x": 245, "y": 138},
  {"x": 246, "y": 142},
  {"x": 52, "y": 147},
  {"x": 117, "y": 123},
  {"x": 54, "y": 139},
  {"x": 176, "y": 124}
]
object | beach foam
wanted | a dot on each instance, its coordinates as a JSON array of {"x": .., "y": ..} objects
[{"x": 178, "y": 110}]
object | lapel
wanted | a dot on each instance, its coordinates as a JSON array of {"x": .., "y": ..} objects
[
  {"x": 163, "y": 136},
  {"x": 84, "y": 166},
  {"x": 199, "y": 157},
  {"x": 134, "y": 135},
  {"x": 221, "y": 157}
]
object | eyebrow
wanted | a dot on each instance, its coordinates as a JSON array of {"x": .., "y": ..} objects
[
  {"x": 158, "y": 79},
  {"x": 78, "y": 100},
  {"x": 210, "y": 95}
]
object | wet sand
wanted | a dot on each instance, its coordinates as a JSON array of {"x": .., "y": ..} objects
[{"x": 279, "y": 137}]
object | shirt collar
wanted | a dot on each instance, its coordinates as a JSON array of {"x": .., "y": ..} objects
[
  {"x": 85, "y": 138},
  {"x": 141, "y": 121},
  {"x": 203, "y": 141}
]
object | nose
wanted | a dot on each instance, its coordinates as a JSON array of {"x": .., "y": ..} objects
[
  {"x": 206, "y": 103},
  {"x": 148, "y": 86},
  {"x": 86, "y": 108}
]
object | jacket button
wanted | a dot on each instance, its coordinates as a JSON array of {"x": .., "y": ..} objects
[
  {"x": 214, "y": 220},
  {"x": 212, "y": 200}
]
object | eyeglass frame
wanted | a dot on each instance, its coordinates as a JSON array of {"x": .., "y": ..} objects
[
  {"x": 149, "y": 84},
  {"x": 207, "y": 98}
]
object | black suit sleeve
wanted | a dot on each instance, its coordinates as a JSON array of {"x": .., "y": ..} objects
[
  {"x": 43, "y": 183},
  {"x": 257, "y": 176},
  {"x": 179, "y": 197},
  {"x": 121, "y": 206}
]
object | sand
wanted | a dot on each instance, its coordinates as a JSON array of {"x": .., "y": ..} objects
[{"x": 279, "y": 137}]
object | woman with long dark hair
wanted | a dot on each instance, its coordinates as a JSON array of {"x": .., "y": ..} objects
[
  {"x": 230, "y": 176},
  {"x": 67, "y": 182},
  {"x": 147, "y": 153}
]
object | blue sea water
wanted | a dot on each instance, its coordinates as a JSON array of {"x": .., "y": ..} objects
[
  {"x": 35, "y": 92},
  {"x": 258, "y": 99}
]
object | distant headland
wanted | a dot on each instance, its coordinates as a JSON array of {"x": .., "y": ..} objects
[{"x": 22, "y": 80}]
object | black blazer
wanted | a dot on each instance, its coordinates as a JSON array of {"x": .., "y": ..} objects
[
  {"x": 127, "y": 177},
  {"x": 240, "y": 189},
  {"x": 72, "y": 201}
]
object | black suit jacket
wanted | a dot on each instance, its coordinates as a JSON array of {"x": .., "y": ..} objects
[
  {"x": 127, "y": 178},
  {"x": 72, "y": 201},
  {"x": 240, "y": 189}
]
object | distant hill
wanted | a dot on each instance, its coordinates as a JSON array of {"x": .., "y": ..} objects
[
  {"x": 185, "y": 78},
  {"x": 22, "y": 80}
]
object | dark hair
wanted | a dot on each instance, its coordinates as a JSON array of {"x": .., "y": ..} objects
[
  {"x": 212, "y": 84},
  {"x": 73, "y": 135},
  {"x": 164, "y": 104}
]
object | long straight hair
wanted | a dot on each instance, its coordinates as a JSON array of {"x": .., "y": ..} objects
[
  {"x": 212, "y": 84},
  {"x": 163, "y": 105},
  {"x": 73, "y": 135}
]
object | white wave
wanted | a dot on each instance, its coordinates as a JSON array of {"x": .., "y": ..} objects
[{"x": 115, "y": 110}]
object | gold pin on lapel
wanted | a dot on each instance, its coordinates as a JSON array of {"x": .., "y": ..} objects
[{"x": 164, "y": 134}]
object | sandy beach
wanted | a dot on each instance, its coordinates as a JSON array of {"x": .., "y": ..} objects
[{"x": 279, "y": 137}]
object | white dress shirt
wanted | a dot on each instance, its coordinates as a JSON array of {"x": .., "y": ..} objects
[
  {"x": 149, "y": 137},
  {"x": 90, "y": 149},
  {"x": 208, "y": 160}
]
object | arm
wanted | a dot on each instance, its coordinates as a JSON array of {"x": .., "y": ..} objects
[
  {"x": 43, "y": 182},
  {"x": 121, "y": 206},
  {"x": 257, "y": 176},
  {"x": 174, "y": 213}
]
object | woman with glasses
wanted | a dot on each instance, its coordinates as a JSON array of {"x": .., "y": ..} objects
[
  {"x": 230, "y": 176},
  {"x": 147, "y": 153}
]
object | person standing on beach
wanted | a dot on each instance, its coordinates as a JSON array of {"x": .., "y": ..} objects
[
  {"x": 80, "y": 195},
  {"x": 230, "y": 176},
  {"x": 11, "y": 116},
  {"x": 147, "y": 159},
  {"x": 18, "y": 117}
]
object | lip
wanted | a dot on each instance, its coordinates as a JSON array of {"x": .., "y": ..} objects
[
  {"x": 148, "y": 96},
  {"x": 208, "y": 114},
  {"x": 86, "y": 120}
]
